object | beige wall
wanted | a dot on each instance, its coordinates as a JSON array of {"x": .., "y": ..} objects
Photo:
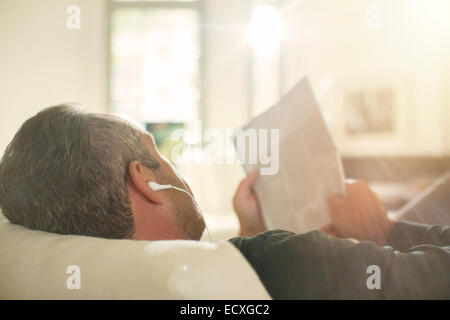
[
  {"x": 226, "y": 96},
  {"x": 43, "y": 63},
  {"x": 327, "y": 39}
]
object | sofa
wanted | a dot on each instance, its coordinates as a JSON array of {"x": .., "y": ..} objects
[{"x": 40, "y": 265}]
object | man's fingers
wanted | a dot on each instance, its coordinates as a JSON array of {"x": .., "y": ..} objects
[
  {"x": 330, "y": 229},
  {"x": 357, "y": 188},
  {"x": 244, "y": 188},
  {"x": 251, "y": 177},
  {"x": 248, "y": 181},
  {"x": 336, "y": 204}
]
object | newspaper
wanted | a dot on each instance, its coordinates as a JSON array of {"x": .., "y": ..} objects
[{"x": 295, "y": 197}]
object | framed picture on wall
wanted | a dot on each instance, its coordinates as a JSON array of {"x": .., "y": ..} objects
[{"x": 374, "y": 117}]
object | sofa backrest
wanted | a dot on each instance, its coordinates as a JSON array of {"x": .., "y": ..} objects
[{"x": 40, "y": 265}]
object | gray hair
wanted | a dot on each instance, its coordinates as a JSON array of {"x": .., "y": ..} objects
[{"x": 65, "y": 171}]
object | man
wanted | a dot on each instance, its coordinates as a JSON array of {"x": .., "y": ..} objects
[{"x": 70, "y": 172}]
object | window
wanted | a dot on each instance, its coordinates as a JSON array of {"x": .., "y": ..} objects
[{"x": 155, "y": 61}]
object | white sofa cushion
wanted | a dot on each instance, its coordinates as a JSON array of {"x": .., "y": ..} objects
[{"x": 33, "y": 265}]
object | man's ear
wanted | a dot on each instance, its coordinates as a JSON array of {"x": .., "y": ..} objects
[{"x": 139, "y": 176}]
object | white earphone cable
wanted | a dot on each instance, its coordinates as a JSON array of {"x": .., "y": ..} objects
[{"x": 155, "y": 186}]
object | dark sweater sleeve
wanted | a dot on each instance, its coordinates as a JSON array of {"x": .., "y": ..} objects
[
  {"x": 315, "y": 265},
  {"x": 405, "y": 235}
]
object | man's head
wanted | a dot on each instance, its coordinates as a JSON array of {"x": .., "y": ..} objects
[{"x": 71, "y": 172}]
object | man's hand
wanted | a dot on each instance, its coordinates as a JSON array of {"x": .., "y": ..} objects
[
  {"x": 359, "y": 215},
  {"x": 247, "y": 209}
]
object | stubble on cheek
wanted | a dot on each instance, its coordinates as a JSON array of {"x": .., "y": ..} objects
[{"x": 189, "y": 221}]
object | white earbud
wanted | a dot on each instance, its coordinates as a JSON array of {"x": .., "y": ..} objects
[{"x": 156, "y": 186}]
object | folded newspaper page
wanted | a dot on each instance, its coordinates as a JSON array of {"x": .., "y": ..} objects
[{"x": 298, "y": 162}]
